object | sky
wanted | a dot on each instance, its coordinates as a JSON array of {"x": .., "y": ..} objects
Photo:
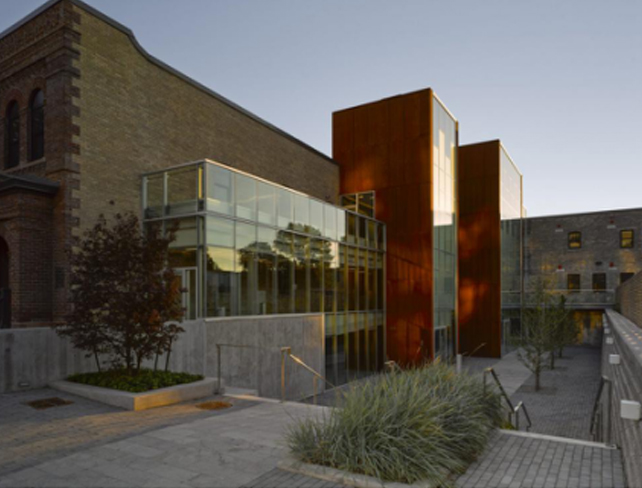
[{"x": 558, "y": 81}]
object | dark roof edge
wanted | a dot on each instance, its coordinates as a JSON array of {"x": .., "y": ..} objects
[
  {"x": 578, "y": 214},
  {"x": 166, "y": 67},
  {"x": 32, "y": 183}
]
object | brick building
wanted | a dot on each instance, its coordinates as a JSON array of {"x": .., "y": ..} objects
[
  {"x": 586, "y": 257},
  {"x": 84, "y": 112}
]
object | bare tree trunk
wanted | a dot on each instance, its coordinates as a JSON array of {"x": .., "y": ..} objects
[
  {"x": 97, "y": 361},
  {"x": 169, "y": 352}
]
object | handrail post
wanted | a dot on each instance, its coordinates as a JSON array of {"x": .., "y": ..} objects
[{"x": 218, "y": 366}]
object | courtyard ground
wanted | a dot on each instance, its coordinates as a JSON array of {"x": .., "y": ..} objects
[{"x": 87, "y": 444}]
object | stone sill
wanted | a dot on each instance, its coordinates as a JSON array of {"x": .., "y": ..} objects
[{"x": 144, "y": 400}]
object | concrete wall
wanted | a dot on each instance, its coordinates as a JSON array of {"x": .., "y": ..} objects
[
  {"x": 34, "y": 357},
  {"x": 626, "y": 378}
]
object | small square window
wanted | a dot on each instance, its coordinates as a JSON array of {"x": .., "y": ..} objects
[
  {"x": 574, "y": 240},
  {"x": 627, "y": 238},
  {"x": 599, "y": 281},
  {"x": 625, "y": 276},
  {"x": 573, "y": 282}
]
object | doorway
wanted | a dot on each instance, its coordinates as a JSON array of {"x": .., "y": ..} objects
[{"x": 189, "y": 298}]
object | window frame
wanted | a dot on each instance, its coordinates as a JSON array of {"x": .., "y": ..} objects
[
  {"x": 579, "y": 282},
  {"x": 570, "y": 241},
  {"x": 622, "y": 238},
  {"x": 594, "y": 285}
]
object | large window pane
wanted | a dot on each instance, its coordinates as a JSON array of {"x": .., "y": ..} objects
[
  {"x": 330, "y": 266},
  {"x": 285, "y": 272},
  {"x": 341, "y": 226},
  {"x": 154, "y": 192},
  {"x": 330, "y": 222},
  {"x": 366, "y": 204},
  {"x": 318, "y": 250},
  {"x": 353, "y": 288},
  {"x": 246, "y": 267},
  {"x": 266, "y": 203},
  {"x": 301, "y": 274},
  {"x": 220, "y": 282},
  {"x": 183, "y": 190},
  {"x": 245, "y": 197},
  {"x": 220, "y": 232},
  {"x": 316, "y": 218},
  {"x": 285, "y": 208},
  {"x": 342, "y": 280},
  {"x": 301, "y": 212},
  {"x": 266, "y": 264},
  {"x": 220, "y": 190},
  {"x": 351, "y": 228}
]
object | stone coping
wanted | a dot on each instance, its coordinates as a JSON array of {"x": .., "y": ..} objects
[
  {"x": 341, "y": 477},
  {"x": 145, "y": 400}
]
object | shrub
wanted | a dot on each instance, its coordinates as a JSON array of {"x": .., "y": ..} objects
[
  {"x": 145, "y": 380},
  {"x": 424, "y": 424}
]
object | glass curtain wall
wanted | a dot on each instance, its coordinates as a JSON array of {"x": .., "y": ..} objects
[
  {"x": 444, "y": 230},
  {"x": 259, "y": 248},
  {"x": 511, "y": 248}
]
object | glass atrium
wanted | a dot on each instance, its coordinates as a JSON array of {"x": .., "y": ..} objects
[{"x": 245, "y": 246}]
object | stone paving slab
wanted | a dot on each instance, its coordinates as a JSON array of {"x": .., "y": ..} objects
[
  {"x": 29, "y": 437},
  {"x": 224, "y": 451},
  {"x": 564, "y": 405}
]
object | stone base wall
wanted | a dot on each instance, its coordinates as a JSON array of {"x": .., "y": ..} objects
[
  {"x": 626, "y": 380},
  {"x": 250, "y": 354}
]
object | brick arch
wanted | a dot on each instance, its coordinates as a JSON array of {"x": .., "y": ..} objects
[{"x": 10, "y": 96}]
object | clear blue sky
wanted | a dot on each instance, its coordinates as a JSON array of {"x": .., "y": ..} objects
[{"x": 559, "y": 82}]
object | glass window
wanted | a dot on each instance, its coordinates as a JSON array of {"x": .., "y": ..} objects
[
  {"x": 246, "y": 267},
  {"x": 220, "y": 190},
  {"x": 183, "y": 190},
  {"x": 285, "y": 208},
  {"x": 625, "y": 277},
  {"x": 366, "y": 204},
  {"x": 627, "y": 238},
  {"x": 155, "y": 196},
  {"x": 330, "y": 266},
  {"x": 599, "y": 281},
  {"x": 220, "y": 232},
  {"x": 301, "y": 212},
  {"x": 266, "y": 203},
  {"x": 363, "y": 231},
  {"x": 12, "y": 136},
  {"x": 353, "y": 283},
  {"x": 316, "y": 218},
  {"x": 318, "y": 250},
  {"x": 342, "y": 280},
  {"x": 349, "y": 202},
  {"x": 266, "y": 271},
  {"x": 301, "y": 273},
  {"x": 245, "y": 197},
  {"x": 573, "y": 282},
  {"x": 285, "y": 272},
  {"x": 330, "y": 221},
  {"x": 341, "y": 226},
  {"x": 220, "y": 282},
  {"x": 351, "y": 220},
  {"x": 574, "y": 240},
  {"x": 37, "y": 126}
]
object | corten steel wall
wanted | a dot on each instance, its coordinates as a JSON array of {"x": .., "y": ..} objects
[
  {"x": 386, "y": 146},
  {"x": 629, "y": 299},
  {"x": 479, "y": 247},
  {"x": 547, "y": 256},
  {"x": 136, "y": 117}
]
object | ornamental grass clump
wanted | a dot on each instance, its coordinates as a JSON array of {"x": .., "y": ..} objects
[{"x": 425, "y": 424}]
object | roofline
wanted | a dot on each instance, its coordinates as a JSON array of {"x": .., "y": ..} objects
[
  {"x": 608, "y": 212},
  {"x": 126, "y": 30},
  {"x": 501, "y": 147}
]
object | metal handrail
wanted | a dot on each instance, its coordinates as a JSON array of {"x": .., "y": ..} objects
[
  {"x": 522, "y": 406},
  {"x": 287, "y": 352},
  {"x": 597, "y": 434}
]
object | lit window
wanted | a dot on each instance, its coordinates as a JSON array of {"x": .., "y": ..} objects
[
  {"x": 573, "y": 282},
  {"x": 12, "y": 136},
  {"x": 599, "y": 281},
  {"x": 37, "y": 126},
  {"x": 626, "y": 238},
  {"x": 574, "y": 240}
]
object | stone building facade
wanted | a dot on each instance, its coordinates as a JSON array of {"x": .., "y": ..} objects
[
  {"x": 111, "y": 113},
  {"x": 586, "y": 257}
]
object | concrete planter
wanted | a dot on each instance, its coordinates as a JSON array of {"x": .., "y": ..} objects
[
  {"x": 145, "y": 400},
  {"x": 341, "y": 477}
]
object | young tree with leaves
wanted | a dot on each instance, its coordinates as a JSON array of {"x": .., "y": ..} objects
[{"x": 125, "y": 298}]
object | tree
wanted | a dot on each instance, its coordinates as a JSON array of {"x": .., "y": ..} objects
[
  {"x": 540, "y": 319},
  {"x": 125, "y": 300}
]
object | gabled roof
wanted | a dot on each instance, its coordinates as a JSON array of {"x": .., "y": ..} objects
[{"x": 117, "y": 25}]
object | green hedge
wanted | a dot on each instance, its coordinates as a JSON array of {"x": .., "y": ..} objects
[
  {"x": 425, "y": 424},
  {"x": 145, "y": 380}
]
